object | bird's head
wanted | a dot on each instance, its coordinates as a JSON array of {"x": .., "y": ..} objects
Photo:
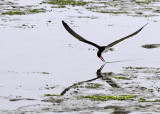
[{"x": 99, "y": 54}]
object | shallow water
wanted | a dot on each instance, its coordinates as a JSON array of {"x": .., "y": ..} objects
[{"x": 42, "y": 58}]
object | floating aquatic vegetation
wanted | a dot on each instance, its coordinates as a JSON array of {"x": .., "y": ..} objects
[
  {"x": 23, "y": 11},
  {"x": 62, "y": 3},
  {"x": 9, "y": 3},
  {"x": 93, "y": 85},
  {"x": 41, "y": 10},
  {"x": 53, "y": 95},
  {"x": 135, "y": 67},
  {"x": 146, "y": 2},
  {"x": 13, "y": 13},
  {"x": 45, "y": 73},
  {"x": 105, "y": 98},
  {"x": 19, "y": 99},
  {"x": 150, "y": 90},
  {"x": 89, "y": 86},
  {"x": 59, "y": 6},
  {"x": 123, "y": 78},
  {"x": 128, "y": 7},
  {"x": 114, "y": 12},
  {"x": 144, "y": 100},
  {"x": 150, "y": 46}
]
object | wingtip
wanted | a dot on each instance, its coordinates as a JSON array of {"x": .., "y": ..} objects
[
  {"x": 63, "y": 22},
  {"x": 145, "y": 25}
]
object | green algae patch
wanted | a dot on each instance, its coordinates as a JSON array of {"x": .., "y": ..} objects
[
  {"x": 146, "y": 2},
  {"x": 41, "y": 10},
  {"x": 130, "y": 96},
  {"x": 135, "y": 67},
  {"x": 105, "y": 98},
  {"x": 62, "y": 3},
  {"x": 9, "y": 3},
  {"x": 13, "y": 13},
  {"x": 41, "y": 72},
  {"x": 144, "y": 100},
  {"x": 60, "y": 6},
  {"x": 88, "y": 86},
  {"x": 150, "y": 90},
  {"x": 93, "y": 85},
  {"x": 45, "y": 73},
  {"x": 140, "y": 67},
  {"x": 114, "y": 12},
  {"x": 123, "y": 78},
  {"x": 28, "y": 11}
]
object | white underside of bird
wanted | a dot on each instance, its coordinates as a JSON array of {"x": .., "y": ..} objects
[{"x": 109, "y": 49}]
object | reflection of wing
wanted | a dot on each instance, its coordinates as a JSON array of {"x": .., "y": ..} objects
[
  {"x": 106, "y": 77},
  {"x": 117, "y": 41},
  {"x": 76, "y": 84},
  {"x": 78, "y": 36}
]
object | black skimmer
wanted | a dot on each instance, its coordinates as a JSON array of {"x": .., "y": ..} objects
[
  {"x": 101, "y": 49},
  {"x": 104, "y": 76}
]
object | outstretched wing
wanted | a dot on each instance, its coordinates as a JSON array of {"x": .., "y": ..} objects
[
  {"x": 78, "y": 36},
  {"x": 117, "y": 41}
]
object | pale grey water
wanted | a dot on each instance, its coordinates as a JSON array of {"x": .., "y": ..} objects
[{"x": 27, "y": 52}]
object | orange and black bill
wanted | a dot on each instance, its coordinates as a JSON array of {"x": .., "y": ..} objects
[{"x": 102, "y": 59}]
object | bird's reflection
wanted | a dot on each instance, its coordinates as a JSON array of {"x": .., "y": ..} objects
[{"x": 104, "y": 76}]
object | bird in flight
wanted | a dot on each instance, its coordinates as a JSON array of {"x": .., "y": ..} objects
[{"x": 101, "y": 49}]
